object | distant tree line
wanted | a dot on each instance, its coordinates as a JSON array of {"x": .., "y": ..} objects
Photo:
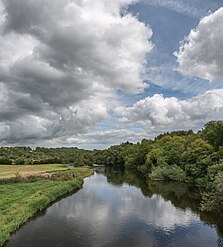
[{"x": 42, "y": 155}]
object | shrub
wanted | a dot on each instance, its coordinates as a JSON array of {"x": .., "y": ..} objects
[
  {"x": 214, "y": 170},
  {"x": 173, "y": 173},
  {"x": 213, "y": 201}
]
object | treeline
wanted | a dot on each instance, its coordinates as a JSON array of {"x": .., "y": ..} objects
[
  {"x": 42, "y": 155},
  {"x": 181, "y": 156}
]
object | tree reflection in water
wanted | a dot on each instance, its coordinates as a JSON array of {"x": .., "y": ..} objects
[{"x": 181, "y": 195}]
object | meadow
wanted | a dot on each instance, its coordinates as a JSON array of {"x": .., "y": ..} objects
[
  {"x": 21, "y": 199},
  {"x": 8, "y": 171}
]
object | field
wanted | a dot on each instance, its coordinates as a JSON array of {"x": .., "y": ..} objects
[
  {"x": 8, "y": 171},
  {"x": 20, "y": 200}
]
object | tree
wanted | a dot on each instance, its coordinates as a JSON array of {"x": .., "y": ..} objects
[{"x": 213, "y": 133}]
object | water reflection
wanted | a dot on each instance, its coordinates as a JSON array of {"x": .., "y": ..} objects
[
  {"x": 182, "y": 196},
  {"x": 117, "y": 209}
]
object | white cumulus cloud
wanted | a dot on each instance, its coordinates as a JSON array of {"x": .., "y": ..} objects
[
  {"x": 164, "y": 114},
  {"x": 201, "y": 53}
]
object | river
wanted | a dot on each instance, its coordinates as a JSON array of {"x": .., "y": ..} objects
[{"x": 119, "y": 209}]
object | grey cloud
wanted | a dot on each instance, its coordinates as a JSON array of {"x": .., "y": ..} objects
[
  {"x": 52, "y": 86},
  {"x": 112, "y": 136},
  {"x": 33, "y": 12},
  {"x": 52, "y": 125},
  {"x": 61, "y": 64}
]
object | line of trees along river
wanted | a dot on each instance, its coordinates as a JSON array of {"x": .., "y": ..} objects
[{"x": 181, "y": 156}]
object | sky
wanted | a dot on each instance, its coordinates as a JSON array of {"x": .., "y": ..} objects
[{"x": 95, "y": 73}]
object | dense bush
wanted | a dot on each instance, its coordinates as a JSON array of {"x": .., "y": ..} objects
[
  {"x": 214, "y": 170},
  {"x": 213, "y": 200},
  {"x": 173, "y": 173},
  {"x": 213, "y": 133}
]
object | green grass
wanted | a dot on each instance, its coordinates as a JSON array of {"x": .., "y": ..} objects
[
  {"x": 7, "y": 171},
  {"x": 20, "y": 201}
]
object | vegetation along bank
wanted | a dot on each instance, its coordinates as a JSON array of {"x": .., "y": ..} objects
[
  {"x": 21, "y": 197},
  {"x": 183, "y": 156}
]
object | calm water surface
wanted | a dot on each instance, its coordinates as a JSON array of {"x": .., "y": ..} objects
[{"x": 118, "y": 209}]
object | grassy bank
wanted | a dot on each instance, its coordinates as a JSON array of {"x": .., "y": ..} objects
[{"x": 21, "y": 200}]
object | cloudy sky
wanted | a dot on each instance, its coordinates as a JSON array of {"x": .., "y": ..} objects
[{"x": 92, "y": 73}]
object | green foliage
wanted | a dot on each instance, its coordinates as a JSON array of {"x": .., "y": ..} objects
[
  {"x": 5, "y": 161},
  {"x": 41, "y": 155},
  {"x": 175, "y": 133},
  {"x": 214, "y": 170},
  {"x": 213, "y": 200},
  {"x": 154, "y": 157},
  {"x": 192, "y": 153},
  {"x": 196, "y": 150},
  {"x": 213, "y": 133},
  {"x": 173, "y": 173},
  {"x": 127, "y": 155}
]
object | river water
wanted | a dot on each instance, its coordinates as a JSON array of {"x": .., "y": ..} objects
[{"x": 118, "y": 209}]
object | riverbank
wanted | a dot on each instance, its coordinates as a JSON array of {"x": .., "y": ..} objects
[{"x": 22, "y": 199}]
